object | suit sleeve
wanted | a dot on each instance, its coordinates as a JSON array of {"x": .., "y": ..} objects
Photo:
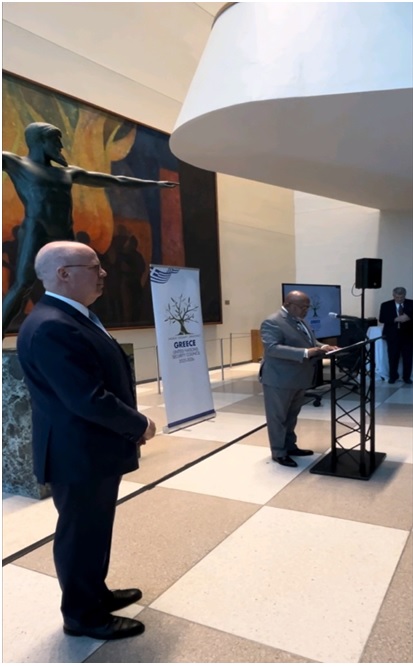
[
  {"x": 387, "y": 313},
  {"x": 408, "y": 309},
  {"x": 70, "y": 369},
  {"x": 383, "y": 316},
  {"x": 273, "y": 340}
]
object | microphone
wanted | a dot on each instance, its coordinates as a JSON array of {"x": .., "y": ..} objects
[{"x": 343, "y": 317}]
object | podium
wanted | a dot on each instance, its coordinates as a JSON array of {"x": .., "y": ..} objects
[{"x": 353, "y": 454}]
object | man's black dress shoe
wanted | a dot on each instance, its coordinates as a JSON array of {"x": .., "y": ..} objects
[
  {"x": 409, "y": 381},
  {"x": 116, "y": 628},
  {"x": 300, "y": 452},
  {"x": 122, "y": 598},
  {"x": 285, "y": 461}
]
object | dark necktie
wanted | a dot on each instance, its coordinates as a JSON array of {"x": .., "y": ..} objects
[
  {"x": 303, "y": 328},
  {"x": 401, "y": 309},
  {"x": 97, "y": 321}
]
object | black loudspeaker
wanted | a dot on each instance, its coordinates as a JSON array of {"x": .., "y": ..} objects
[{"x": 368, "y": 273}]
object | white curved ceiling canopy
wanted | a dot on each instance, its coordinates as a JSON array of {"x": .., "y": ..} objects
[{"x": 315, "y": 97}]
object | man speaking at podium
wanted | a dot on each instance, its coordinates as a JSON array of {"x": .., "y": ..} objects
[{"x": 291, "y": 352}]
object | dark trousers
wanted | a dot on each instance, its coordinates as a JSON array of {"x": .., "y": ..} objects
[
  {"x": 82, "y": 546},
  {"x": 282, "y": 407},
  {"x": 399, "y": 346}
]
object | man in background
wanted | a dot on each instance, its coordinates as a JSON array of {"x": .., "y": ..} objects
[
  {"x": 86, "y": 433},
  {"x": 397, "y": 317},
  {"x": 291, "y": 352}
]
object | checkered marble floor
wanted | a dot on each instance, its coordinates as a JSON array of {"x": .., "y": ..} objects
[{"x": 239, "y": 559}]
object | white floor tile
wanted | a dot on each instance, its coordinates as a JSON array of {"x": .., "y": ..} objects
[
  {"x": 404, "y": 396},
  {"x": 323, "y": 411},
  {"x": 215, "y": 373},
  {"x": 253, "y": 367},
  {"x": 147, "y": 388},
  {"x": 27, "y": 520},
  {"x": 256, "y": 480},
  {"x": 246, "y": 372},
  {"x": 217, "y": 383},
  {"x": 13, "y": 504},
  {"x": 249, "y": 369},
  {"x": 354, "y": 417},
  {"x": 128, "y": 487},
  {"x": 32, "y": 623},
  {"x": 224, "y": 427},
  {"x": 221, "y": 399},
  {"x": 308, "y": 584}
]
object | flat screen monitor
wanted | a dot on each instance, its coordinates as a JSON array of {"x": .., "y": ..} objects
[{"x": 324, "y": 299}]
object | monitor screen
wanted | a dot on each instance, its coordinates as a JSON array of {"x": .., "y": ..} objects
[{"x": 324, "y": 299}]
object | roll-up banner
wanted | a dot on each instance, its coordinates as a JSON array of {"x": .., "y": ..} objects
[{"x": 179, "y": 334}]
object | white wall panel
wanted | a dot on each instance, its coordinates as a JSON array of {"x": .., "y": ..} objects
[
  {"x": 156, "y": 43},
  {"x": 330, "y": 235}
]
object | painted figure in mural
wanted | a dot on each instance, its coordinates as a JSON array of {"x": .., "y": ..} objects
[{"x": 45, "y": 191}]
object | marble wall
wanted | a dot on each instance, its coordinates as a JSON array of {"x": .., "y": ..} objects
[{"x": 18, "y": 475}]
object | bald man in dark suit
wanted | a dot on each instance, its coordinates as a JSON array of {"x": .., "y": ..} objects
[{"x": 86, "y": 433}]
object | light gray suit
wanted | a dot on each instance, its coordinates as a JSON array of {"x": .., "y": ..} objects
[{"x": 285, "y": 375}]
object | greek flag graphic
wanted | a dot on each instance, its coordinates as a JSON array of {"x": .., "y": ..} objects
[{"x": 162, "y": 275}]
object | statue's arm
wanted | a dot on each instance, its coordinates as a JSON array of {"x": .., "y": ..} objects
[
  {"x": 9, "y": 160},
  {"x": 98, "y": 180}
]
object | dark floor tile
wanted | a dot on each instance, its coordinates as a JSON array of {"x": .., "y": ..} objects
[
  {"x": 168, "y": 639},
  {"x": 381, "y": 500},
  {"x": 391, "y": 639}
]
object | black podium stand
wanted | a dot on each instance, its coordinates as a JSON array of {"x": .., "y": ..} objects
[{"x": 352, "y": 372}]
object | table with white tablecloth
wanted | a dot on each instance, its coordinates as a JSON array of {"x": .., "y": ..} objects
[{"x": 382, "y": 360}]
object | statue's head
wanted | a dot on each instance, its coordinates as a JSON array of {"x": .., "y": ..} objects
[
  {"x": 48, "y": 138},
  {"x": 36, "y": 132}
]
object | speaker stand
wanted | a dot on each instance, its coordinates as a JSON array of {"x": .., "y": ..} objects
[{"x": 362, "y": 308}]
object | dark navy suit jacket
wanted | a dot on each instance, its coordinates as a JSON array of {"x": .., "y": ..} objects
[
  {"x": 388, "y": 313},
  {"x": 85, "y": 421}
]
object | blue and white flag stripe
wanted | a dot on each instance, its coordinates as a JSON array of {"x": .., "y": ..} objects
[{"x": 161, "y": 275}]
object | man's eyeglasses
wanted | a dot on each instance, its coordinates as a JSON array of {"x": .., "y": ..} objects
[
  {"x": 91, "y": 267},
  {"x": 300, "y": 306}
]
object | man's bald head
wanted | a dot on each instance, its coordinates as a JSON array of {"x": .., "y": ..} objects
[
  {"x": 56, "y": 255},
  {"x": 297, "y": 303},
  {"x": 296, "y": 297},
  {"x": 71, "y": 269}
]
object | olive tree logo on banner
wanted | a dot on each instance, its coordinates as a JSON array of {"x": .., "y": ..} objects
[
  {"x": 315, "y": 304},
  {"x": 182, "y": 358},
  {"x": 181, "y": 311}
]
